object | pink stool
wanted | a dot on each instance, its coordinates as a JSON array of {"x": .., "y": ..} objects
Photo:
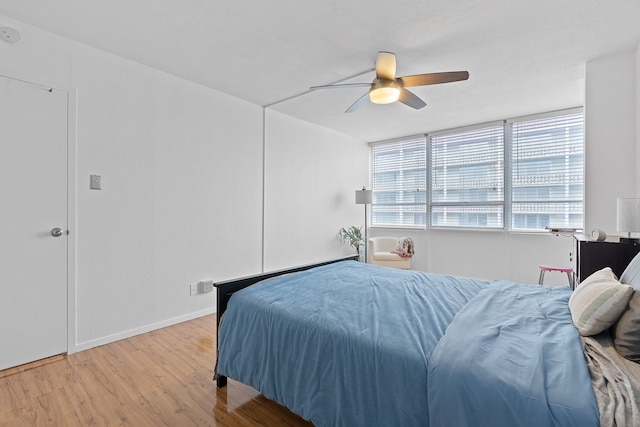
[{"x": 568, "y": 270}]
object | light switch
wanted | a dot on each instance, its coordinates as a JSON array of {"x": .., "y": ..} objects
[{"x": 95, "y": 182}]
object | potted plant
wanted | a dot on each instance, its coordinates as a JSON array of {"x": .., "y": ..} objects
[{"x": 353, "y": 235}]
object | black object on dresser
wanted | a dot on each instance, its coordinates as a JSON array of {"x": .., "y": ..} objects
[{"x": 592, "y": 256}]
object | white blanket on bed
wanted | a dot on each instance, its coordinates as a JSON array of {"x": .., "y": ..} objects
[{"x": 616, "y": 382}]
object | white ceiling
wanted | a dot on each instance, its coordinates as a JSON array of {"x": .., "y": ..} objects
[{"x": 523, "y": 57}]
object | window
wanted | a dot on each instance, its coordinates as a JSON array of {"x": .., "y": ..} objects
[
  {"x": 547, "y": 172},
  {"x": 467, "y": 178},
  {"x": 398, "y": 175},
  {"x": 520, "y": 174}
]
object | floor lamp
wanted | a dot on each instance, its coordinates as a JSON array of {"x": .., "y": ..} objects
[{"x": 365, "y": 197}]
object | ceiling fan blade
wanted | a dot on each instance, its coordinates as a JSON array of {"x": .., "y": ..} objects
[
  {"x": 410, "y": 99},
  {"x": 340, "y": 86},
  {"x": 433, "y": 78},
  {"x": 359, "y": 103},
  {"x": 386, "y": 65}
]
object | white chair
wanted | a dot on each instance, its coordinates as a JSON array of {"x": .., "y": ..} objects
[{"x": 380, "y": 253}]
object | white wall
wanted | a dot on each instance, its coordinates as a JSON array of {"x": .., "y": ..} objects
[
  {"x": 182, "y": 185},
  {"x": 610, "y": 137},
  {"x": 311, "y": 174},
  {"x": 487, "y": 255},
  {"x": 181, "y": 198}
]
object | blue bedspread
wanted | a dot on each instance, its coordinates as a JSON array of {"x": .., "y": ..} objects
[
  {"x": 352, "y": 344},
  {"x": 512, "y": 357},
  {"x": 346, "y": 344}
]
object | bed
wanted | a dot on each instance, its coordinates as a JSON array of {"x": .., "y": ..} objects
[{"x": 351, "y": 344}]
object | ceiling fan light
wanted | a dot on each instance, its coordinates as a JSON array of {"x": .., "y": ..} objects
[{"x": 384, "y": 95}]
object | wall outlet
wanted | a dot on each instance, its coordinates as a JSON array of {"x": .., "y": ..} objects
[
  {"x": 193, "y": 289},
  {"x": 205, "y": 286}
]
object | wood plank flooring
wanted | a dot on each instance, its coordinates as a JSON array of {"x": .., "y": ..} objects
[{"x": 161, "y": 378}]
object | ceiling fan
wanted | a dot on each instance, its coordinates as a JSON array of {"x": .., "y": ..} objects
[{"x": 387, "y": 88}]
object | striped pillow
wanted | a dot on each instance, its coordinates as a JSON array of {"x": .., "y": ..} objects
[{"x": 598, "y": 302}]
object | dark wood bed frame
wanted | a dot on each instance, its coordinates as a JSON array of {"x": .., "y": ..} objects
[{"x": 224, "y": 291}]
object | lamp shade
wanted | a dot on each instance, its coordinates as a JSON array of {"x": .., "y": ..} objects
[
  {"x": 384, "y": 91},
  {"x": 384, "y": 95},
  {"x": 364, "y": 197},
  {"x": 628, "y": 218}
]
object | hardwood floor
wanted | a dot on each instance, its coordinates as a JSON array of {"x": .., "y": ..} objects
[{"x": 161, "y": 378}]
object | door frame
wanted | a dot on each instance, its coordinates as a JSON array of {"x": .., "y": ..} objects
[{"x": 72, "y": 195}]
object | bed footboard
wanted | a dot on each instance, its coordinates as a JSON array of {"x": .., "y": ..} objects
[{"x": 224, "y": 291}]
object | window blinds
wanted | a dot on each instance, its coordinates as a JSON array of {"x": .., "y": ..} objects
[
  {"x": 520, "y": 174},
  {"x": 467, "y": 178},
  {"x": 398, "y": 175},
  {"x": 547, "y": 172}
]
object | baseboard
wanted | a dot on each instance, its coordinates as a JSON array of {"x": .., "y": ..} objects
[{"x": 143, "y": 329}]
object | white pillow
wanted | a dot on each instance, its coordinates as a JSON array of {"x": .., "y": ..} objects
[
  {"x": 631, "y": 274},
  {"x": 598, "y": 302}
]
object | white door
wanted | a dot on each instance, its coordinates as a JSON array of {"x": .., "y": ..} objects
[{"x": 33, "y": 201}]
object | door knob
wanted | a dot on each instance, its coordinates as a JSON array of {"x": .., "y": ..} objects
[{"x": 56, "y": 232}]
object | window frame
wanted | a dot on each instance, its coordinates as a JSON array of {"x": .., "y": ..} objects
[
  {"x": 409, "y": 140},
  {"x": 542, "y": 116},
  {"x": 430, "y": 204},
  {"x": 507, "y": 175}
]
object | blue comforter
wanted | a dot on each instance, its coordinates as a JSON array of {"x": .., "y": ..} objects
[
  {"x": 349, "y": 344},
  {"x": 512, "y": 357},
  {"x": 342, "y": 345}
]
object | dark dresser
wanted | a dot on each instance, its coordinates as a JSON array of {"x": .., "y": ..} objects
[{"x": 592, "y": 256}]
